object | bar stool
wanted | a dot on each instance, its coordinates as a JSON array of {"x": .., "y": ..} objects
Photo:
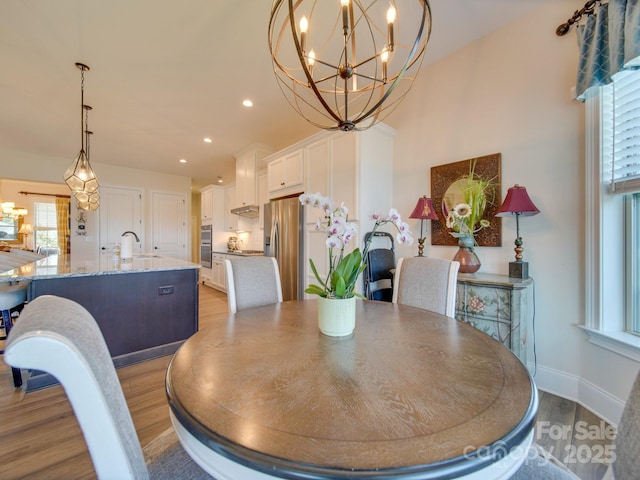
[{"x": 12, "y": 298}]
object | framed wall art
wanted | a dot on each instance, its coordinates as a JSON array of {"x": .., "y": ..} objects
[{"x": 445, "y": 192}]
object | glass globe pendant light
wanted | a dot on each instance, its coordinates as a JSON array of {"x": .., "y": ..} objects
[
  {"x": 88, "y": 201},
  {"x": 80, "y": 177}
]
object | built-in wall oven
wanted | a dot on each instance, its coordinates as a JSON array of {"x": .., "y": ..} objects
[{"x": 205, "y": 245}]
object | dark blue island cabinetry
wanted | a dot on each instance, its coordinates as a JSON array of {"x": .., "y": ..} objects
[{"x": 143, "y": 314}]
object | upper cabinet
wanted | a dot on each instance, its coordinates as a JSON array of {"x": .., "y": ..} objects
[
  {"x": 353, "y": 167},
  {"x": 286, "y": 174},
  {"x": 263, "y": 195},
  {"x": 247, "y": 165},
  {"x": 206, "y": 204},
  {"x": 230, "y": 220}
]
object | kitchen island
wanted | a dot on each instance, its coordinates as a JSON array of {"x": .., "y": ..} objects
[{"x": 146, "y": 307}]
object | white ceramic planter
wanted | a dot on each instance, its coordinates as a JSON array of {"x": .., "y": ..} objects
[{"x": 337, "y": 317}]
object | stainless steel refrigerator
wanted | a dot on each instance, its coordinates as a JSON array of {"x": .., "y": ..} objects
[{"x": 284, "y": 240}]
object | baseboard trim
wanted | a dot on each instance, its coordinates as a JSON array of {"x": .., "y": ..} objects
[{"x": 574, "y": 388}]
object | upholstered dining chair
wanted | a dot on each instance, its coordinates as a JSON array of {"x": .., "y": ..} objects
[
  {"x": 541, "y": 465},
  {"x": 427, "y": 283},
  {"x": 626, "y": 465},
  {"x": 627, "y": 442},
  {"x": 252, "y": 282},
  {"x": 60, "y": 337}
]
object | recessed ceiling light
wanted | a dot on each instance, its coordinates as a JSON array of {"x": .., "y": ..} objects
[
  {"x": 208, "y": 140},
  {"x": 247, "y": 103},
  {"x": 182, "y": 160}
]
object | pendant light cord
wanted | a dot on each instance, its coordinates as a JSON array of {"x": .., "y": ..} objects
[{"x": 82, "y": 107}]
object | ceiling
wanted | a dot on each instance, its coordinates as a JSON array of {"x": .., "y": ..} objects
[{"x": 165, "y": 74}]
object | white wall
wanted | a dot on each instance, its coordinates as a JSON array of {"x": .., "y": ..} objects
[
  {"x": 510, "y": 93},
  {"x": 24, "y": 166}
]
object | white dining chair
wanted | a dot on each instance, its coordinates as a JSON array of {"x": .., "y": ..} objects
[
  {"x": 427, "y": 283},
  {"x": 252, "y": 282},
  {"x": 60, "y": 337}
]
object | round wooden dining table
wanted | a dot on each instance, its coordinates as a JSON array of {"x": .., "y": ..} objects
[{"x": 410, "y": 394}]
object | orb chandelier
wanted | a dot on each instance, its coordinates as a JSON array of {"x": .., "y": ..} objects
[
  {"x": 80, "y": 177},
  {"x": 346, "y": 64}
]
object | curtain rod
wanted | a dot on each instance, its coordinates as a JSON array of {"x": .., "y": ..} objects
[
  {"x": 587, "y": 10},
  {"x": 57, "y": 195}
]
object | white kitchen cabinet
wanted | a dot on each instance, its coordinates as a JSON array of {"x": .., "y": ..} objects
[
  {"x": 263, "y": 195},
  {"x": 247, "y": 165},
  {"x": 218, "y": 277},
  {"x": 206, "y": 204},
  {"x": 351, "y": 167},
  {"x": 206, "y": 275},
  {"x": 231, "y": 220},
  {"x": 286, "y": 174}
]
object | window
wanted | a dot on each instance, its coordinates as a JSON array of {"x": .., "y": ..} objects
[
  {"x": 633, "y": 251},
  {"x": 625, "y": 179},
  {"x": 613, "y": 215},
  {"x": 45, "y": 225}
]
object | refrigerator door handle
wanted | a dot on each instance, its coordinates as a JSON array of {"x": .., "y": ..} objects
[{"x": 275, "y": 239}]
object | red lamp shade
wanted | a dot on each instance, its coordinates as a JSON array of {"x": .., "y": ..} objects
[
  {"x": 517, "y": 202},
  {"x": 424, "y": 209}
]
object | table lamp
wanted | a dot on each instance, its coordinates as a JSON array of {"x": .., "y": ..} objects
[
  {"x": 26, "y": 229},
  {"x": 424, "y": 211},
  {"x": 517, "y": 202}
]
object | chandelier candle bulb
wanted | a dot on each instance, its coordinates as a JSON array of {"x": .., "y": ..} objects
[
  {"x": 345, "y": 17},
  {"x": 311, "y": 60},
  {"x": 391, "y": 17},
  {"x": 304, "y": 24},
  {"x": 384, "y": 58}
]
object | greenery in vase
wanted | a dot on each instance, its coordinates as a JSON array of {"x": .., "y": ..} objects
[
  {"x": 465, "y": 220},
  {"x": 344, "y": 270}
]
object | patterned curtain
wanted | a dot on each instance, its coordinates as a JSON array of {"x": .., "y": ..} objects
[
  {"x": 609, "y": 42},
  {"x": 62, "y": 224}
]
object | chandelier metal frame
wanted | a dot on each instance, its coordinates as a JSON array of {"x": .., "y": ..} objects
[{"x": 337, "y": 89}]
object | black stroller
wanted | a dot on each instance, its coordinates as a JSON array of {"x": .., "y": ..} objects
[{"x": 377, "y": 276}]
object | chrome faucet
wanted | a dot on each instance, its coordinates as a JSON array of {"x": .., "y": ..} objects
[{"x": 132, "y": 233}]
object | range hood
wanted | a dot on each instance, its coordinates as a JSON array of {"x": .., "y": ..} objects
[{"x": 251, "y": 211}]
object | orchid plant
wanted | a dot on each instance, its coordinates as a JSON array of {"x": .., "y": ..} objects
[{"x": 344, "y": 270}]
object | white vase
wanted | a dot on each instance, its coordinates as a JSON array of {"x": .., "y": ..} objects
[{"x": 337, "y": 316}]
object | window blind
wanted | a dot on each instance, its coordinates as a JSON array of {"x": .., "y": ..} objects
[
  {"x": 45, "y": 216},
  {"x": 625, "y": 171}
]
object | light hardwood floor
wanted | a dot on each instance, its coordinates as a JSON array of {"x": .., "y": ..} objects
[{"x": 40, "y": 437}]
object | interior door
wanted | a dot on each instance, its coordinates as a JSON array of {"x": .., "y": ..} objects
[
  {"x": 120, "y": 211},
  {"x": 169, "y": 225}
]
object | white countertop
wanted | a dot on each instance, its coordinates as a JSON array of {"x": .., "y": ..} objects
[{"x": 56, "y": 266}]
